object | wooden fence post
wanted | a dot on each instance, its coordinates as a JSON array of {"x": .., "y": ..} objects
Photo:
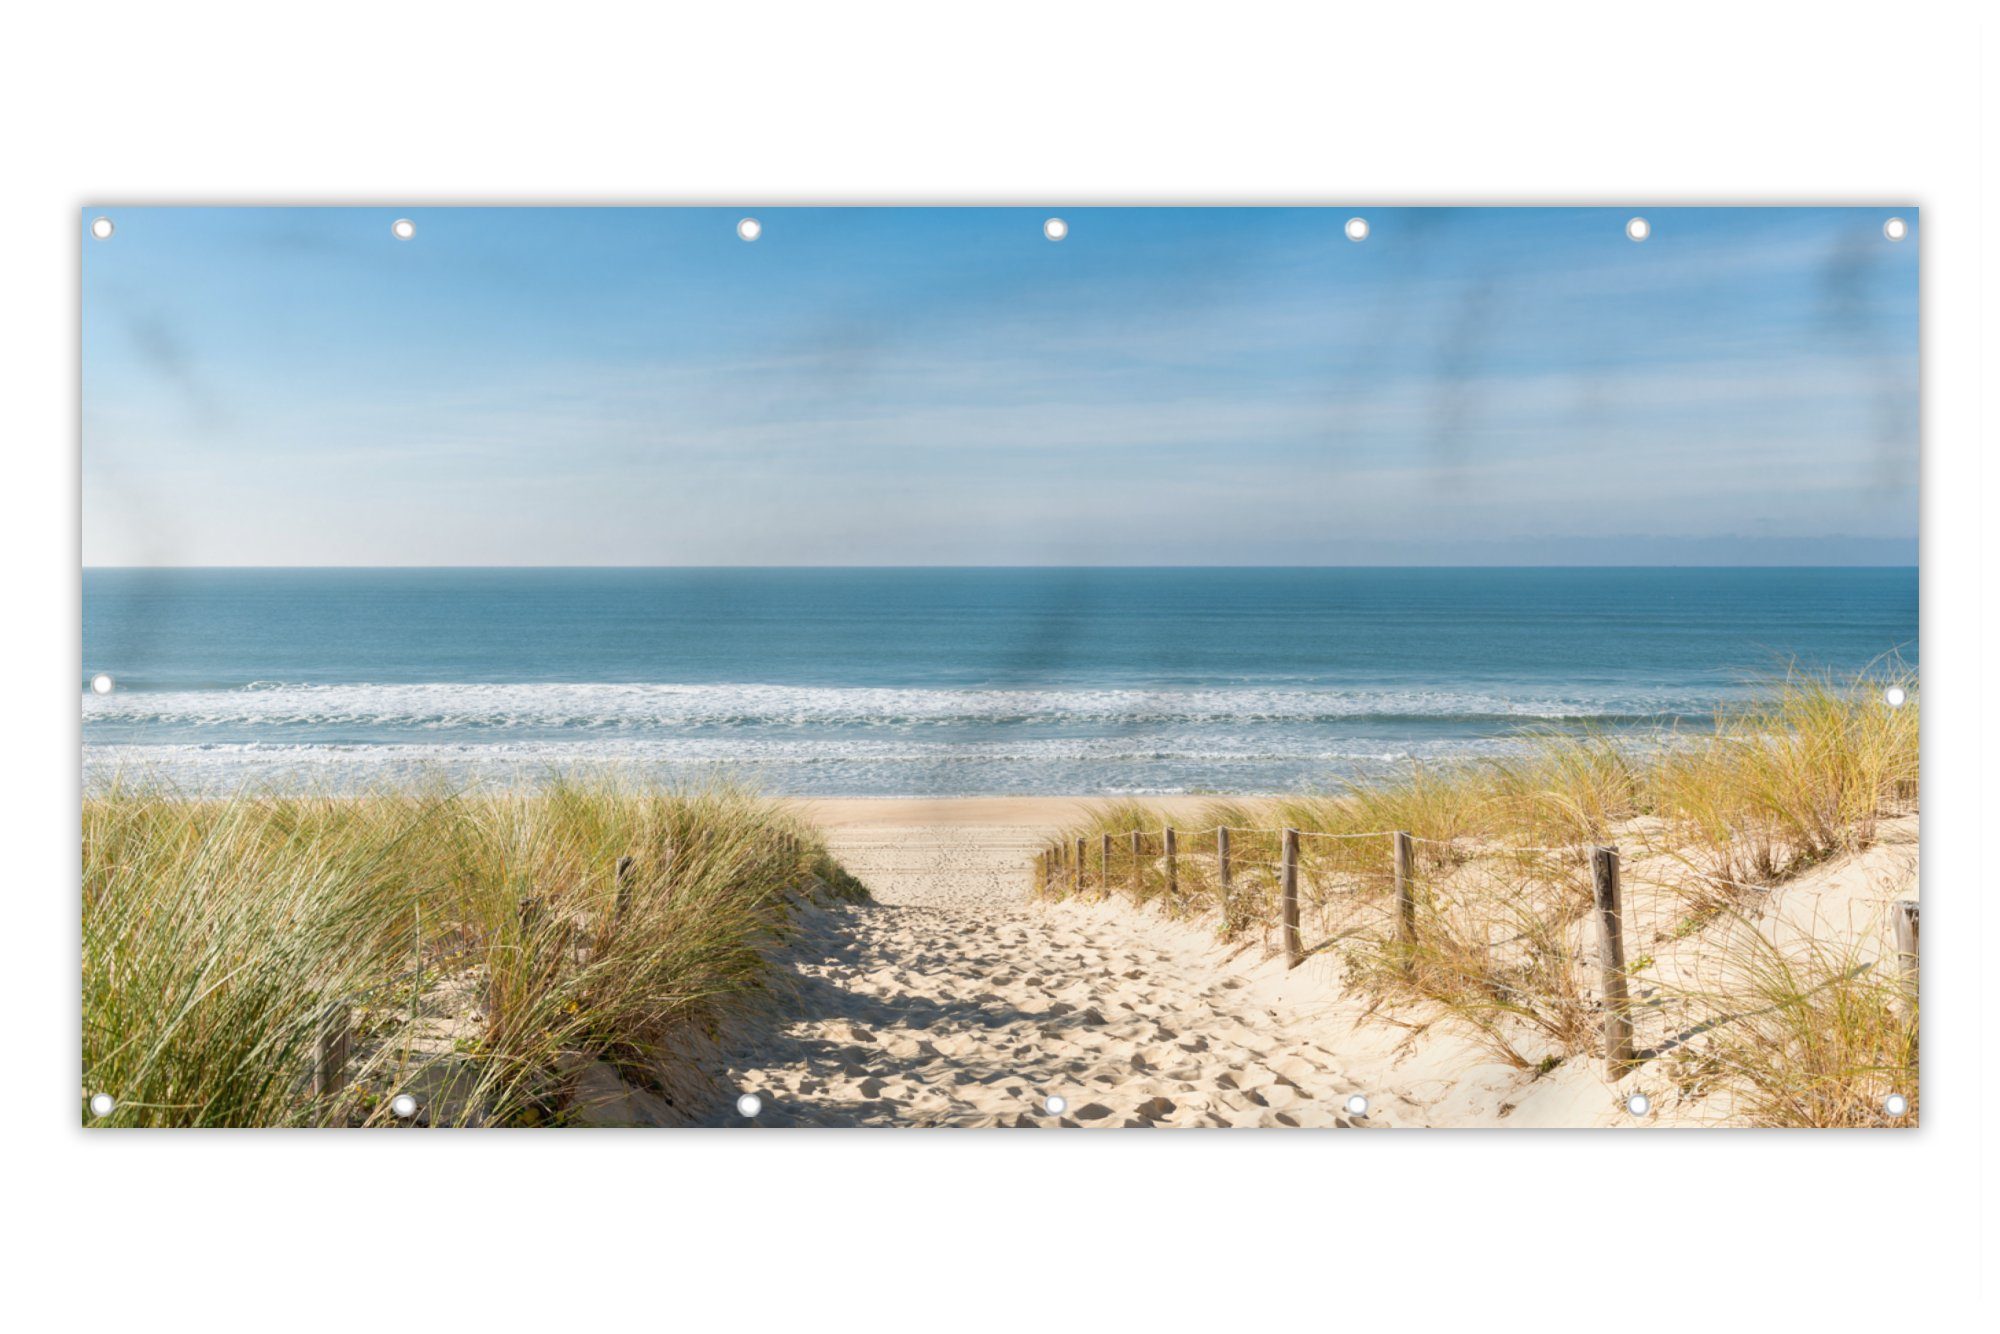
[
  {"x": 1611, "y": 960},
  {"x": 1167, "y": 850},
  {"x": 624, "y": 889},
  {"x": 1906, "y": 942},
  {"x": 1222, "y": 870},
  {"x": 1076, "y": 871},
  {"x": 1406, "y": 900},
  {"x": 1104, "y": 864},
  {"x": 330, "y": 1050},
  {"x": 1288, "y": 901},
  {"x": 1138, "y": 865}
]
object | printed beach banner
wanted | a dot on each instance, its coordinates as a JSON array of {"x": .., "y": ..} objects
[{"x": 1098, "y": 667}]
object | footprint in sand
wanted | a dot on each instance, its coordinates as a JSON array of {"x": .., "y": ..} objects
[{"x": 954, "y": 1000}]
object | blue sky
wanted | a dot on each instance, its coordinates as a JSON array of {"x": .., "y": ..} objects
[{"x": 946, "y": 386}]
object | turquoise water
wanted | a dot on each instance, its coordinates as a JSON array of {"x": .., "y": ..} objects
[{"x": 925, "y": 681}]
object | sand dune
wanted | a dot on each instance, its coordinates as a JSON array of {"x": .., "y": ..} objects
[{"x": 955, "y": 999}]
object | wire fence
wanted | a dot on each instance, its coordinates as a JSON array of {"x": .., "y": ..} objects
[{"x": 1545, "y": 950}]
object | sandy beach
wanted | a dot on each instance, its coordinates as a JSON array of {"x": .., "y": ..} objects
[{"x": 956, "y": 999}]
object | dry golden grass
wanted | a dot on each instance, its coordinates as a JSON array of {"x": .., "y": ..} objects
[
  {"x": 1819, "y": 1037},
  {"x": 217, "y": 933},
  {"x": 1501, "y": 894}
]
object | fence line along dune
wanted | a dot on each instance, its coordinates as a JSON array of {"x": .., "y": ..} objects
[{"x": 1698, "y": 907}]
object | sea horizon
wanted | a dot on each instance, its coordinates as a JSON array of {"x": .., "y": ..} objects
[
  {"x": 925, "y": 681},
  {"x": 1233, "y": 668}
]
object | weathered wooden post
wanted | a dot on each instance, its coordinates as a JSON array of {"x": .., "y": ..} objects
[
  {"x": 1222, "y": 871},
  {"x": 1042, "y": 874},
  {"x": 1906, "y": 942},
  {"x": 1104, "y": 864},
  {"x": 1167, "y": 848},
  {"x": 329, "y": 1073},
  {"x": 1076, "y": 871},
  {"x": 1406, "y": 900},
  {"x": 1138, "y": 866},
  {"x": 1288, "y": 901},
  {"x": 625, "y": 865},
  {"x": 1611, "y": 961}
]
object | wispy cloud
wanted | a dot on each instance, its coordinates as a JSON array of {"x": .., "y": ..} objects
[{"x": 1755, "y": 387}]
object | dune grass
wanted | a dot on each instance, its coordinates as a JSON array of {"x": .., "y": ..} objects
[
  {"x": 1822, "y": 1038},
  {"x": 217, "y": 934},
  {"x": 1706, "y": 821}
]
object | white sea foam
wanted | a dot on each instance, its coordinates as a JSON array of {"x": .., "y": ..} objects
[
  {"x": 1106, "y": 750},
  {"x": 611, "y": 707},
  {"x": 805, "y": 767},
  {"x": 813, "y": 739}
]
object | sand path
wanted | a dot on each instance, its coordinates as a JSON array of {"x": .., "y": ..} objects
[{"x": 955, "y": 1000}]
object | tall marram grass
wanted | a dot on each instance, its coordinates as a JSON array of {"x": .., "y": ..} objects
[
  {"x": 1820, "y": 1038},
  {"x": 216, "y": 933},
  {"x": 1706, "y": 821},
  {"x": 1805, "y": 773}
]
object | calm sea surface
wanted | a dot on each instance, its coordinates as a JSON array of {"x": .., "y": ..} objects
[{"x": 930, "y": 681}]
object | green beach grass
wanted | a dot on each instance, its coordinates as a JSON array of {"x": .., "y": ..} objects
[{"x": 476, "y": 941}]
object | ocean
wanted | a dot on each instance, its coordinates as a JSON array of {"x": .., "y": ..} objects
[{"x": 929, "y": 681}]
